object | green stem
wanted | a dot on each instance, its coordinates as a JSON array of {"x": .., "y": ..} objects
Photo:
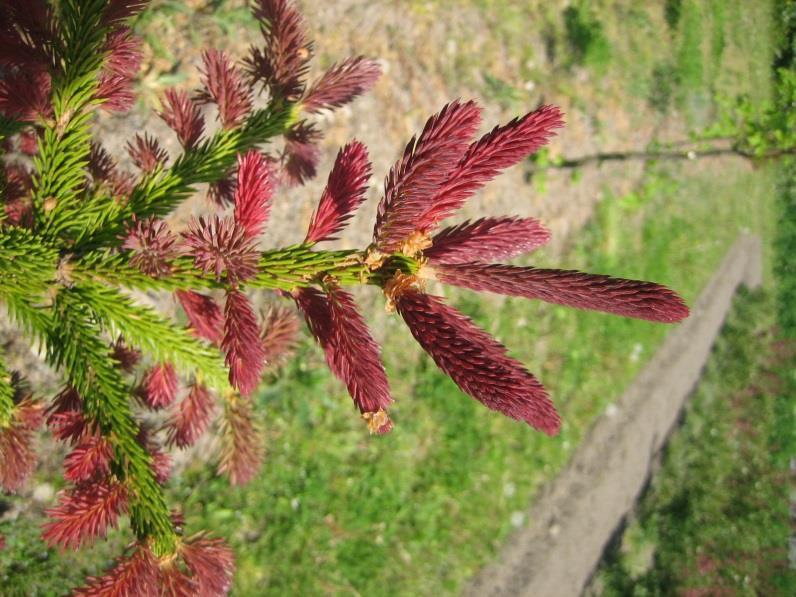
[{"x": 280, "y": 269}]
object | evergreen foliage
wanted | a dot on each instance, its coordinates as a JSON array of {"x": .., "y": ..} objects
[{"x": 79, "y": 236}]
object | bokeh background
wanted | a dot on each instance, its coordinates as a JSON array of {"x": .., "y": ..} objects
[{"x": 421, "y": 510}]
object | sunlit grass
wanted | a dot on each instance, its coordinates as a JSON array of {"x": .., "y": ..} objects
[{"x": 716, "y": 518}]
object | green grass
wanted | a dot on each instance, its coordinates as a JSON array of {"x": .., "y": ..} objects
[
  {"x": 785, "y": 243},
  {"x": 716, "y": 518},
  {"x": 586, "y": 37}
]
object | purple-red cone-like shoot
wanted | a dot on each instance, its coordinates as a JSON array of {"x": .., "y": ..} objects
[
  {"x": 282, "y": 64},
  {"x": 183, "y": 116},
  {"x": 146, "y": 152},
  {"x": 225, "y": 87},
  {"x": 160, "y": 386},
  {"x": 211, "y": 564},
  {"x": 280, "y": 335},
  {"x": 204, "y": 314},
  {"x": 241, "y": 444},
  {"x": 153, "y": 246},
  {"x": 85, "y": 512},
  {"x": 91, "y": 458},
  {"x": 191, "y": 417},
  {"x": 25, "y": 95},
  {"x": 17, "y": 456},
  {"x": 352, "y": 354},
  {"x": 503, "y": 147},
  {"x": 301, "y": 153},
  {"x": 115, "y": 88},
  {"x": 487, "y": 239},
  {"x": 630, "y": 298},
  {"x": 344, "y": 193},
  {"x": 134, "y": 575},
  {"x": 475, "y": 361},
  {"x": 341, "y": 84},
  {"x": 253, "y": 193},
  {"x": 222, "y": 247},
  {"x": 421, "y": 172},
  {"x": 245, "y": 355}
]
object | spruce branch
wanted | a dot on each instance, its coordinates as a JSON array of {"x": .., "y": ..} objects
[
  {"x": 74, "y": 346},
  {"x": 79, "y": 235},
  {"x": 26, "y": 262},
  {"x": 65, "y": 146},
  {"x": 145, "y": 329},
  {"x": 99, "y": 223},
  {"x": 292, "y": 267}
]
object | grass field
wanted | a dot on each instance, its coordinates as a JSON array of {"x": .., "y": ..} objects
[
  {"x": 716, "y": 518},
  {"x": 420, "y": 510}
]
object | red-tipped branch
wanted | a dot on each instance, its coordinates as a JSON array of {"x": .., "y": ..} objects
[
  {"x": 487, "y": 239},
  {"x": 225, "y": 87},
  {"x": 146, "y": 152},
  {"x": 90, "y": 459},
  {"x": 241, "y": 445},
  {"x": 203, "y": 313},
  {"x": 152, "y": 245},
  {"x": 115, "y": 84},
  {"x": 422, "y": 171},
  {"x": 630, "y": 298},
  {"x": 183, "y": 116},
  {"x": 222, "y": 246},
  {"x": 245, "y": 356},
  {"x": 17, "y": 456},
  {"x": 301, "y": 154},
  {"x": 280, "y": 335},
  {"x": 351, "y": 353},
  {"x": 160, "y": 386},
  {"x": 253, "y": 193},
  {"x": 475, "y": 361},
  {"x": 191, "y": 418},
  {"x": 84, "y": 513},
  {"x": 211, "y": 563},
  {"x": 499, "y": 149},
  {"x": 283, "y": 63},
  {"x": 135, "y": 575},
  {"x": 342, "y": 83},
  {"x": 344, "y": 192}
]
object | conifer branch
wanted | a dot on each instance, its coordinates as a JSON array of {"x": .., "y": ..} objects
[
  {"x": 146, "y": 330},
  {"x": 77, "y": 234},
  {"x": 25, "y": 261},
  {"x": 297, "y": 266},
  {"x": 97, "y": 224},
  {"x": 75, "y": 347},
  {"x": 65, "y": 146}
]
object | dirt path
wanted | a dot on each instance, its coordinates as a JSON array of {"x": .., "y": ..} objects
[{"x": 577, "y": 513}]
